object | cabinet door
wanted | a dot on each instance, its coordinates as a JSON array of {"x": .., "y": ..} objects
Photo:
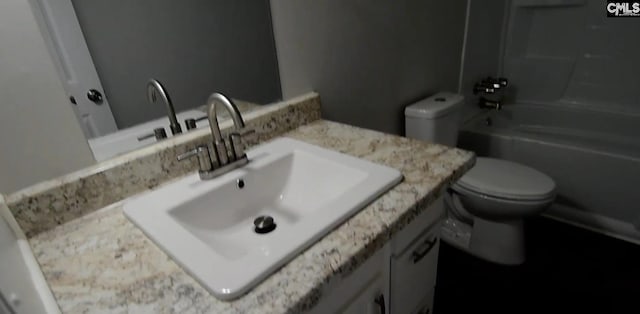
[
  {"x": 414, "y": 261},
  {"x": 370, "y": 300},
  {"x": 426, "y": 306},
  {"x": 413, "y": 273},
  {"x": 366, "y": 290}
]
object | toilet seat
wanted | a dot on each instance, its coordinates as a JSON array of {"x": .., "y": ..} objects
[
  {"x": 461, "y": 190},
  {"x": 505, "y": 180}
]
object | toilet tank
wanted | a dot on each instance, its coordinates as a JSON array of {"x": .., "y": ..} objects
[{"x": 434, "y": 119}]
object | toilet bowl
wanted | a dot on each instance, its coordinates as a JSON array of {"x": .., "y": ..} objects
[
  {"x": 486, "y": 207},
  {"x": 501, "y": 190},
  {"x": 493, "y": 198}
]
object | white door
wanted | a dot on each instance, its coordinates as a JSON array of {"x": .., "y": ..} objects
[{"x": 61, "y": 31}]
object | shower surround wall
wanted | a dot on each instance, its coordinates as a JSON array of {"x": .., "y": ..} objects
[
  {"x": 572, "y": 109},
  {"x": 570, "y": 53},
  {"x": 482, "y": 53}
]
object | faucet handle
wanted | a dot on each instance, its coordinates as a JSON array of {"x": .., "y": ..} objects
[
  {"x": 190, "y": 124},
  {"x": 205, "y": 117},
  {"x": 482, "y": 88},
  {"x": 503, "y": 81},
  {"x": 158, "y": 133},
  {"x": 144, "y": 137},
  {"x": 238, "y": 152},
  {"x": 202, "y": 152},
  {"x": 496, "y": 83},
  {"x": 190, "y": 153},
  {"x": 245, "y": 132}
]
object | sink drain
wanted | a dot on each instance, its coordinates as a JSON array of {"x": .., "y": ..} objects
[{"x": 264, "y": 224}]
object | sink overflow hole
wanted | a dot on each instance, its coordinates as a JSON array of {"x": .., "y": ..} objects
[{"x": 240, "y": 183}]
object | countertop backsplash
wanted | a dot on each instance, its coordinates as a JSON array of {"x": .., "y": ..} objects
[{"x": 57, "y": 201}]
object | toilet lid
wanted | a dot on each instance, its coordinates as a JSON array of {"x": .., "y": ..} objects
[{"x": 506, "y": 179}]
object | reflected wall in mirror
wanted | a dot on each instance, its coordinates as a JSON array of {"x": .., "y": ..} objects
[
  {"x": 72, "y": 71},
  {"x": 193, "y": 48}
]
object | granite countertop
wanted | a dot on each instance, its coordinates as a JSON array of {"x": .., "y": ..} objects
[{"x": 101, "y": 262}]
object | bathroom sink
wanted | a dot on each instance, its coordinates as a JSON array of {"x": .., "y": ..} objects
[{"x": 292, "y": 191}]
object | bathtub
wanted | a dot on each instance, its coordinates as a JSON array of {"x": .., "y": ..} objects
[{"x": 594, "y": 157}]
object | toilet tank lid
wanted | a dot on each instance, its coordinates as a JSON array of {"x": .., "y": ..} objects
[
  {"x": 507, "y": 179},
  {"x": 434, "y": 106}
]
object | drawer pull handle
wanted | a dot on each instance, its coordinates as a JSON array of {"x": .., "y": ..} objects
[
  {"x": 379, "y": 300},
  {"x": 423, "y": 249}
]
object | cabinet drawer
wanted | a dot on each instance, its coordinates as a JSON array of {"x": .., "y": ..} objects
[
  {"x": 426, "y": 305},
  {"x": 434, "y": 214},
  {"x": 358, "y": 290},
  {"x": 413, "y": 272}
]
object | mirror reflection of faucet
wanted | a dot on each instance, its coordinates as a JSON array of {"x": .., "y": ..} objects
[
  {"x": 191, "y": 123},
  {"x": 155, "y": 89},
  {"x": 158, "y": 133}
]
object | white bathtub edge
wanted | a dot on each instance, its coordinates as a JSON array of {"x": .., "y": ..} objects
[{"x": 611, "y": 227}]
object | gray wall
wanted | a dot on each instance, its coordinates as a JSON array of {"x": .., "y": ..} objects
[
  {"x": 368, "y": 59},
  {"x": 483, "y": 48},
  {"x": 39, "y": 135},
  {"x": 194, "y": 47}
]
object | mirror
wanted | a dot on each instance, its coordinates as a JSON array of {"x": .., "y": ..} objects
[
  {"x": 77, "y": 70},
  {"x": 192, "y": 47}
]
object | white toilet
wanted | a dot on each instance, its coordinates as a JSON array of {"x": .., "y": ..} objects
[{"x": 487, "y": 205}]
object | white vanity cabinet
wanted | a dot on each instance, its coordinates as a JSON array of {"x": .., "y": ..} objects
[
  {"x": 365, "y": 290},
  {"x": 414, "y": 263},
  {"x": 398, "y": 279}
]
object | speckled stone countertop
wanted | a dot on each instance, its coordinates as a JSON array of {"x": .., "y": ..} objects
[
  {"x": 102, "y": 263},
  {"x": 45, "y": 205}
]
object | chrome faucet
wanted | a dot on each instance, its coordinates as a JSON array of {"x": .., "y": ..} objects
[
  {"x": 215, "y": 159},
  {"x": 488, "y": 86},
  {"x": 218, "y": 143},
  {"x": 154, "y": 88}
]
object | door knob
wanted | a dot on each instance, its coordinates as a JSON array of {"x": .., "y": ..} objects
[{"x": 95, "y": 96}]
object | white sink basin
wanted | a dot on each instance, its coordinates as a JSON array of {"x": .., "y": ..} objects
[{"x": 207, "y": 226}]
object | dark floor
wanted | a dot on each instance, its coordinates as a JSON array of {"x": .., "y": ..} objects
[{"x": 568, "y": 269}]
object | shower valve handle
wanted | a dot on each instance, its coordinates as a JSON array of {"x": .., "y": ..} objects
[
  {"x": 496, "y": 83},
  {"x": 482, "y": 88}
]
